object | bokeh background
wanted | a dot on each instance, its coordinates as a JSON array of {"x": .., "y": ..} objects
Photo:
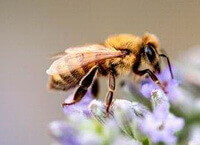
[{"x": 32, "y": 30}]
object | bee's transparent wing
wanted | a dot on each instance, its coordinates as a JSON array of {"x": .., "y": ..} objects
[{"x": 78, "y": 57}]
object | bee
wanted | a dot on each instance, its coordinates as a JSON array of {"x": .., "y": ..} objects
[{"x": 121, "y": 54}]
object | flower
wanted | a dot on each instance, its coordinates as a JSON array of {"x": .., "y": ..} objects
[
  {"x": 194, "y": 136},
  {"x": 90, "y": 139},
  {"x": 87, "y": 131},
  {"x": 124, "y": 124},
  {"x": 171, "y": 86},
  {"x": 80, "y": 107},
  {"x": 64, "y": 133},
  {"x": 161, "y": 125},
  {"x": 76, "y": 130},
  {"x": 123, "y": 112},
  {"x": 124, "y": 116},
  {"x": 126, "y": 141},
  {"x": 98, "y": 110}
]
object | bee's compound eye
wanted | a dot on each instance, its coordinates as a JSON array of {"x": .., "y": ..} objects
[{"x": 150, "y": 53}]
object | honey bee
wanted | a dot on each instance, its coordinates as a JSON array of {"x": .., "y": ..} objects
[{"x": 121, "y": 54}]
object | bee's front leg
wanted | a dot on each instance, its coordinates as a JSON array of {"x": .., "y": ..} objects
[
  {"x": 151, "y": 75},
  {"x": 85, "y": 83}
]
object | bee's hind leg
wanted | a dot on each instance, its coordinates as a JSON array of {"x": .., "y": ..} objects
[
  {"x": 85, "y": 83},
  {"x": 109, "y": 96}
]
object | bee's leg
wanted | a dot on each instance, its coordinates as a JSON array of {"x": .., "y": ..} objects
[
  {"x": 95, "y": 88},
  {"x": 152, "y": 76},
  {"x": 109, "y": 96},
  {"x": 83, "y": 86}
]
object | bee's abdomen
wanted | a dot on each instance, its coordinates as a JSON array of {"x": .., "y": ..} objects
[
  {"x": 62, "y": 82},
  {"x": 68, "y": 79}
]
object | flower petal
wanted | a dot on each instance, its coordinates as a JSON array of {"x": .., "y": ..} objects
[
  {"x": 64, "y": 133},
  {"x": 80, "y": 107},
  {"x": 98, "y": 110}
]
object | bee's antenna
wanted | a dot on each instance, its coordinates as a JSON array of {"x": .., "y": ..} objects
[{"x": 169, "y": 65}]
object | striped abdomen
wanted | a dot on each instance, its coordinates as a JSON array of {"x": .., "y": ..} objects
[{"x": 69, "y": 79}]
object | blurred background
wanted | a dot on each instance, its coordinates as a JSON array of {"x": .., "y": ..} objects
[{"x": 32, "y": 30}]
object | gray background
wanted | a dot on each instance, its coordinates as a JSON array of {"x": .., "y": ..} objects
[{"x": 31, "y": 30}]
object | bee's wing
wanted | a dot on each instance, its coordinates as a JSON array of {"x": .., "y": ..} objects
[
  {"x": 80, "y": 57},
  {"x": 57, "y": 55}
]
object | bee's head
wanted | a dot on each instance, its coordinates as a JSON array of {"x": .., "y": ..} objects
[{"x": 151, "y": 52}]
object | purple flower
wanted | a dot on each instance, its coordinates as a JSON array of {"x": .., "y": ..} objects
[
  {"x": 171, "y": 86},
  {"x": 194, "y": 136},
  {"x": 98, "y": 110},
  {"x": 160, "y": 125},
  {"x": 75, "y": 132},
  {"x": 64, "y": 133},
  {"x": 123, "y": 112},
  {"x": 80, "y": 107},
  {"x": 160, "y": 129},
  {"x": 126, "y": 141}
]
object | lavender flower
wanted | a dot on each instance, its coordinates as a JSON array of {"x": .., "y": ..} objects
[
  {"x": 64, "y": 133},
  {"x": 77, "y": 130},
  {"x": 171, "y": 86},
  {"x": 126, "y": 141},
  {"x": 98, "y": 110},
  {"x": 194, "y": 136},
  {"x": 131, "y": 118},
  {"x": 124, "y": 116},
  {"x": 123, "y": 112},
  {"x": 80, "y": 107},
  {"x": 87, "y": 131},
  {"x": 160, "y": 125}
]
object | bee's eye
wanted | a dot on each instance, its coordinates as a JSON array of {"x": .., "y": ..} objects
[{"x": 150, "y": 53}]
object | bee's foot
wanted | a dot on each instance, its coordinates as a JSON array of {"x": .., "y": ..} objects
[
  {"x": 107, "y": 114},
  {"x": 164, "y": 89},
  {"x": 67, "y": 104}
]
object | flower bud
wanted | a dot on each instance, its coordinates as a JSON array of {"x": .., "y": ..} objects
[
  {"x": 139, "y": 110},
  {"x": 124, "y": 115},
  {"x": 98, "y": 110},
  {"x": 159, "y": 98}
]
